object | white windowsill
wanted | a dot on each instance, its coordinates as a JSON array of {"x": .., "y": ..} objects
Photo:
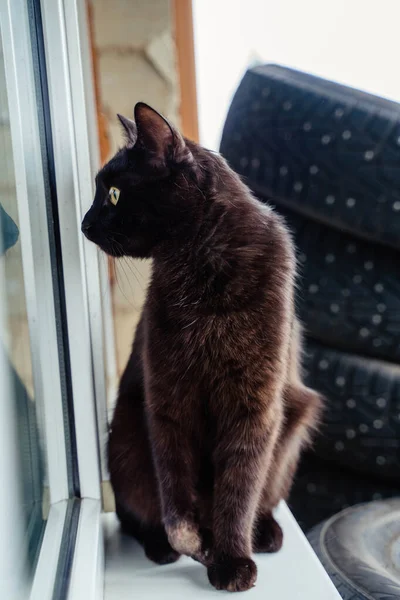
[{"x": 294, "y": 573}]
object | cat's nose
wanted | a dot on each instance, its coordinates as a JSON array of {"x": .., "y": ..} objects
[
  {"x": 86, "y": 225},
  {"x": 87, "y": 228}
]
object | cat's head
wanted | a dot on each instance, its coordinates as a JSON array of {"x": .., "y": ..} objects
[{"x": 147, "y": 192}]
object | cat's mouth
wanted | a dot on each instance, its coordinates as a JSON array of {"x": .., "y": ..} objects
[
  {"x": 107, "y": 244},
  {"x": 112, "y": 248}
]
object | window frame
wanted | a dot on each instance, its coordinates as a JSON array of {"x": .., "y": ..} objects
[
  {"x": 79, "y": 573},
  {"x": 29, "y": 183},
  {"x": 33, "y": 227},
  {"x": 76, "y": 156}
]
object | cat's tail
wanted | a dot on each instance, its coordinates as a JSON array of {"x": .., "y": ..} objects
[{"x": 303, "y": 400}]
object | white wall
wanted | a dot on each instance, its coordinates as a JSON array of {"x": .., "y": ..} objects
[{"x": 355, "y": 42}]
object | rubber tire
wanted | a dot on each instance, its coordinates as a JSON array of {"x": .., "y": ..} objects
[
  {"x": 358, "y": 549},
  {"x": 304, "y": 141},
  {"x": 321, "y": 489},
  {"x": 348, "y": 290},
  {"x": 361, "y": 424}
]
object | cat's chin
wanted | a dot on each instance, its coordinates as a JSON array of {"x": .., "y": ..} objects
[
  {"x": 117, "y": 252},
  {"x": 114, "y": 252},
  {"x": 111, "y": 247},
  {"x": 106, "y": 245}
]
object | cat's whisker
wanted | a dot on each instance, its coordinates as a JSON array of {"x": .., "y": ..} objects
[
  {"x": 105, "y": 259},
  {"x": 136, "y": 273},
  {"x": 118, "y": 282},
  {"x": 121, "y": 264}
]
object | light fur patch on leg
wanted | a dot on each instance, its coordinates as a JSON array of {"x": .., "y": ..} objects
[{"x": 184, "y": 538}]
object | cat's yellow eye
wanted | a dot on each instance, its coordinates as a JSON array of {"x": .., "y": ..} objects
[{"x": 114, "y": 195}]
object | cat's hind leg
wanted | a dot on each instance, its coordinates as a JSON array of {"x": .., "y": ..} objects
[
  {"x": 152, "y": 537},
  {"x": 131, "y": 467},
  {"x": 135, "y": 486}
]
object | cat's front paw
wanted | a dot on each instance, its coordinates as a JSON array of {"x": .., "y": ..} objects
[
  {"x": 184, "y": 537},
  {"x": 233, "y": 574}
]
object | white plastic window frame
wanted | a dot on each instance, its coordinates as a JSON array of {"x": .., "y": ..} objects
[
  {"x": 75, "y": 143},
  {"x": 73, "y": 122},
  {"x": 76, "y": 153},
  {"x": 88, "y": 303},
  {"x": 41, "y": 319}
]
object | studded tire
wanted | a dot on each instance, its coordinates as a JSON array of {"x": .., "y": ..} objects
[
  {"x": 324, "y": 150},
  {"x": 361, "y": 424},
  {"x": 328, "y": 157},
  {"x": 356, "y": 548},
  {"x": 348, "y": 289},
  {"x": 320, "y": 492}
]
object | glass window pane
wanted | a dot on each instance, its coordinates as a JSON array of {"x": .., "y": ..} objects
[
  {"x": 56, "y": 266},
  {"x": 15, "y": 344}
]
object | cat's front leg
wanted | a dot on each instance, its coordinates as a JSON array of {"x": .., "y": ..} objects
[
  {"x": 242, "y": 457},
  {"x": 171, "y": 437}
]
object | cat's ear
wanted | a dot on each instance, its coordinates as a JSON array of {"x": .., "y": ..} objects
[
  {"x": 130, "y": 130},
  {"x": 159, "y": 138}
]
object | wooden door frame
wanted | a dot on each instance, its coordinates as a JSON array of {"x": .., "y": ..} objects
[{"x": 184, "y": 41}]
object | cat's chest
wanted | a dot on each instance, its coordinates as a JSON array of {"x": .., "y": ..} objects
[
  {"x": 178, "y": 337},
  {"x": 193, "y": 342}
]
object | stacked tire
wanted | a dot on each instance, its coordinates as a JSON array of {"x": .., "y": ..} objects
[{"x": 328, "y": 158}]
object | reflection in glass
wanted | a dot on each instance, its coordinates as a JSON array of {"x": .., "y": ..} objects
[{"x": 15, "y": 343}]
